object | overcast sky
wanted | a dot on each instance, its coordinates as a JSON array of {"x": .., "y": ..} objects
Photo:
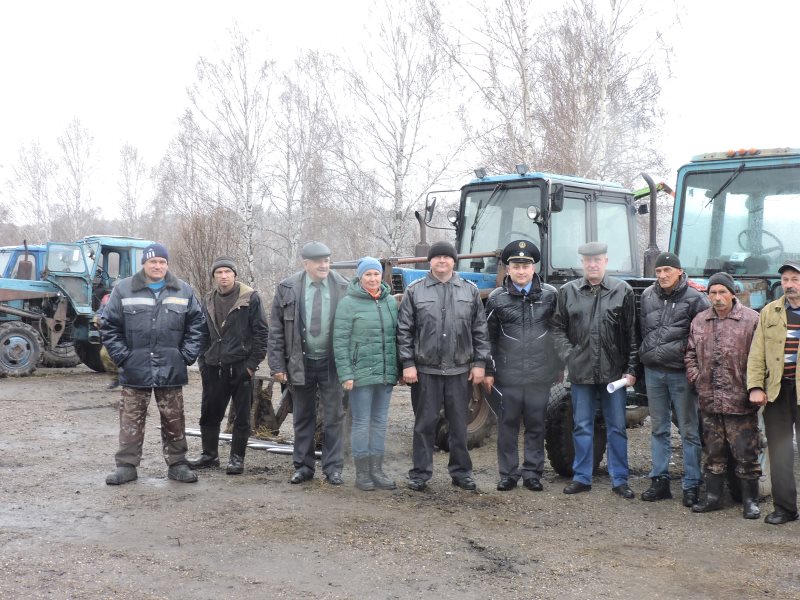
[{"x": 123, "y": 67}]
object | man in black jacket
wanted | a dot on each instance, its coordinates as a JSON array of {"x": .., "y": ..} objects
[
  {"x": 153, "y": 327},
  {"x": 666, "y": 311},
  {"x": 443, "y": 346},
  {"x": 236, "y": 345},
  {"x": 594, "y": 327},
  {"x": 524, "y": 363},
  {"x": 300, "y": 354}
]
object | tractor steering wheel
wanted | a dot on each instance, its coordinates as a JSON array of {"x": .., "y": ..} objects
[{"x": 777, "y": 248}]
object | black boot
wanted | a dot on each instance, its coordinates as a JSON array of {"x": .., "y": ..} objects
[
  {"x": 713, "y": 499},
  {"x": 379, "y": 478},
  {"x": 238, "y": 448},
  {"x": 123, "y": 474},
  {"x": 363, "y": 479},
  {"x": 658, "y": 490},
  {"x": 750, "y": 508},
  {"x": 209, "y": 437}
]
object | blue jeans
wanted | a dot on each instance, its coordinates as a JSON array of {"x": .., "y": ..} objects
[
  {"x": 665, "y": 390},
  {"x": 585, "y": 400},
  {"x": 369, "y": 405}
]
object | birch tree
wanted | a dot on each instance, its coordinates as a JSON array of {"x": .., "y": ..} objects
[
  {"x": 72, "y": 181},
  {"x": 131, "y": 185},
  {"x": 30, "y": 192}
]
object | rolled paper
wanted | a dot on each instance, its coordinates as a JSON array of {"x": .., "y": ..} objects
[{"x": 614, "y": 386}]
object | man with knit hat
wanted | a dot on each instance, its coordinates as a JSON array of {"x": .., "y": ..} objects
[
  {"x": 666, "y": 311},
  {"x": 236, "y": 345},
  {"x": 716, "y": 365},
  {"x": 443, "y": 346},
  {"x": 153, "y": 328}
]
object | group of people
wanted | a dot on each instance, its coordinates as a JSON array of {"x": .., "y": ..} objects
[{"x": 326, "y": 335}]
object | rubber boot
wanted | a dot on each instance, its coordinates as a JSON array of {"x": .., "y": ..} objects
[
  {"x": 379, "y": 478},
  {"x": 713, "y": 499},
  {"x": 123, "y": 474},
  {"x": 209, "y": 437},
  {"x": 238, "y": 448},
  {"x": 181, "y": 472},
  {"x": 658, "y": 490},
  {"x": 750, "y": 508},
  {"x": 363, "y": 479}
]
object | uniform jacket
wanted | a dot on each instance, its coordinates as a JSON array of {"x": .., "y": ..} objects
[
  {"x": 765, "y": 362},
  {"x": 665, "y": 320},
  {"x": 596, "y": 335},
  {"x": 519, "y": 330},
  {"x": 153, "y": 340},
  {"x": 716, "y": 359},
  {"x": 286, "y": 346},
  {"x": 364, "y": 336},
  {"x": 442, "y": 339},
  {"x": 242, "y": 336}
]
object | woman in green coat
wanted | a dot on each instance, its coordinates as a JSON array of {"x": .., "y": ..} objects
[{"x": 365, "y": 349}]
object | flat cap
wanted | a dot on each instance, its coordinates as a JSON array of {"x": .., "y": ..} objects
[
  {"x": 315, "y": 250},
  {"x": 790, "y": 264},
  {"x": 520, "y": 251},
  {"x": 593, "y": 249}
]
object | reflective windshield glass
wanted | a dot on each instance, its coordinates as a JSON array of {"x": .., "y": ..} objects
[
  {"x": 65, "y": 259},
  {"x": 613, "y": 228},
  {"x": 492, "y": 221},
  {"x": 567, "y": 232},
  {"x": 5, "y": 256},
  {"x": 746, "y": 229}
]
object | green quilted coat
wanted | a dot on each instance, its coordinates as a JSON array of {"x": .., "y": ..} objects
[{"x": 364, "y": 336}]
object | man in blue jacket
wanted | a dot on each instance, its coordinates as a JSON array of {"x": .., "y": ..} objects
[{"x": 153, "y": 328}]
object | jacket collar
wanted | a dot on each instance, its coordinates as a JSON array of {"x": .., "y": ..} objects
[
  {"x": 584, "y": 283},
  {"x": 431, "y": 280},
  {"x": 736, "y": 312},
  {"x": 680, "y": 286},
  {"x": 536, "y": 286},
  {"x": 138, "y": 281}
]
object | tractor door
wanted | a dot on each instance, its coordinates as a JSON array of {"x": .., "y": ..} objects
[{"x": 69, "y": 268}]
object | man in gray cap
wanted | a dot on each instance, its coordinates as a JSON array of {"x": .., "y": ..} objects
[
  {"x": 300, "y": 355},
  {"x": 443, "y": 346},
  {"x": 772, "y": 382},
  {"x": 236, "y": 346},
  {"x": 666, "y": 310},
  {"x": 595, "y": 333},
  {"x": 524, "y": 363}
]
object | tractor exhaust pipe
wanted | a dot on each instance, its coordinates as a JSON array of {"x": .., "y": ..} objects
[{"x": 652, "y": 251}]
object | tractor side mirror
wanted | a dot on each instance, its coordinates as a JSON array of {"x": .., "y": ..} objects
[
  {"x": 557, "y": 197},
  {"x": 430, "y": 206}
]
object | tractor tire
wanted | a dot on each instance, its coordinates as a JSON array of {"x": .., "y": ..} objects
[
  {"x": 558, "y": 433},
  {"x": 62, "y": 356},
  {"x": 20, "y": 349},
  {"x": 90, "y": 355},
  {"x": 480, "y": 422}
]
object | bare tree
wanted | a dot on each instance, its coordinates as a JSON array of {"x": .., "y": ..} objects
[
  {"x": 30, "y": 191},
  {"x": 72, "y": 187},
  {"x": 132, "y": 179}
]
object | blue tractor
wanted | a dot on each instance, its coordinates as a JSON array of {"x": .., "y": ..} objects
[{"x": 49, "y": 302}]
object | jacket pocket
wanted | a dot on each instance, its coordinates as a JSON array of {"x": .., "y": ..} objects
[{"x": 176, "y": 316}]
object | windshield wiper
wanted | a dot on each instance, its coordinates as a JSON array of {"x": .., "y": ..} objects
[
  {"x": 725, "y": 185},
  {"x": 479, "y": 213}
]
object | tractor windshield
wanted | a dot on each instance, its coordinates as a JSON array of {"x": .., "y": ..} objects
[
  {"x": 5, "y": 256},
  {"x": 491, "y": 218},
  {"x": 742, "y": 227}
]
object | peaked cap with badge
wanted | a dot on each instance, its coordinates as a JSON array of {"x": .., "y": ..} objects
[{"x": 520, "y": 251}]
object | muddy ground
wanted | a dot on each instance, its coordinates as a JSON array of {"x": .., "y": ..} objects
[{"x": 65, "y": 534}]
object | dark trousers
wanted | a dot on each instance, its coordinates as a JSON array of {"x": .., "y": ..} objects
[
  {"x": 222, "y": 384},
  {"x": 780, "y": 423},
  {"x": 431, "y": 392},
  {"x": 528, "y": 404},
  {"x": 319, "y": 380},
  {"x": 731, "y": 435},
  {"x": 132, "y": 416}
]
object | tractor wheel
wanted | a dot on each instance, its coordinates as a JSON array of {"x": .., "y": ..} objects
[
  {"x": 558, "y": 433},
  {"x": 480, "y": 422},
  {"x": 90, "y": 355},
  {"x": 62, "y": 356},
  {"x": 20, "y": 349}
]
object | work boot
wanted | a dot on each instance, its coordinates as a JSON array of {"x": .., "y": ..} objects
[
  {"x": 363, "y": 478},
  {"x": 123, "y": 474},
  {"x": 235, "y": 465},
  {"x": 181, "y": 472},
  {"x": 209, "y": 437},
  {"x": 238, "y": 448},
  {"x": 113, "y": 384},
  {"x": 691, "y": 496},
  {"x": 658, "y": 490},
  {"x": 750, "y": 508},
  {"x": 381, "y": 480},
  {"x": 713, "y": 499}
]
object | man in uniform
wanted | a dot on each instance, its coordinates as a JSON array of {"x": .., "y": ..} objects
[
  {"x": 595, "y": 333},
  {"x": 443, "y": 346},
  {"x": 523, "y": 365},
  {"x": 300, "y": 354},
  {"x": 236, "y": 345},
  {"x": 153, "y": 328},
  {"x": 772, "y": 381}
]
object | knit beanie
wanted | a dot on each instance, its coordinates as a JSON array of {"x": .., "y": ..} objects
[
  {"x": 442, "y": 249},
  {"x": 224, "y": 261},
  {"x": 668, "y": 259},
  {"x": 367, "y": 263},
  {"x": 155, "y": 251},
  {"x": 722, "y": 279}
]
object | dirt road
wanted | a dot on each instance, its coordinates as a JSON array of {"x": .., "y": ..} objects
[{"x": 65, "y": 534}]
